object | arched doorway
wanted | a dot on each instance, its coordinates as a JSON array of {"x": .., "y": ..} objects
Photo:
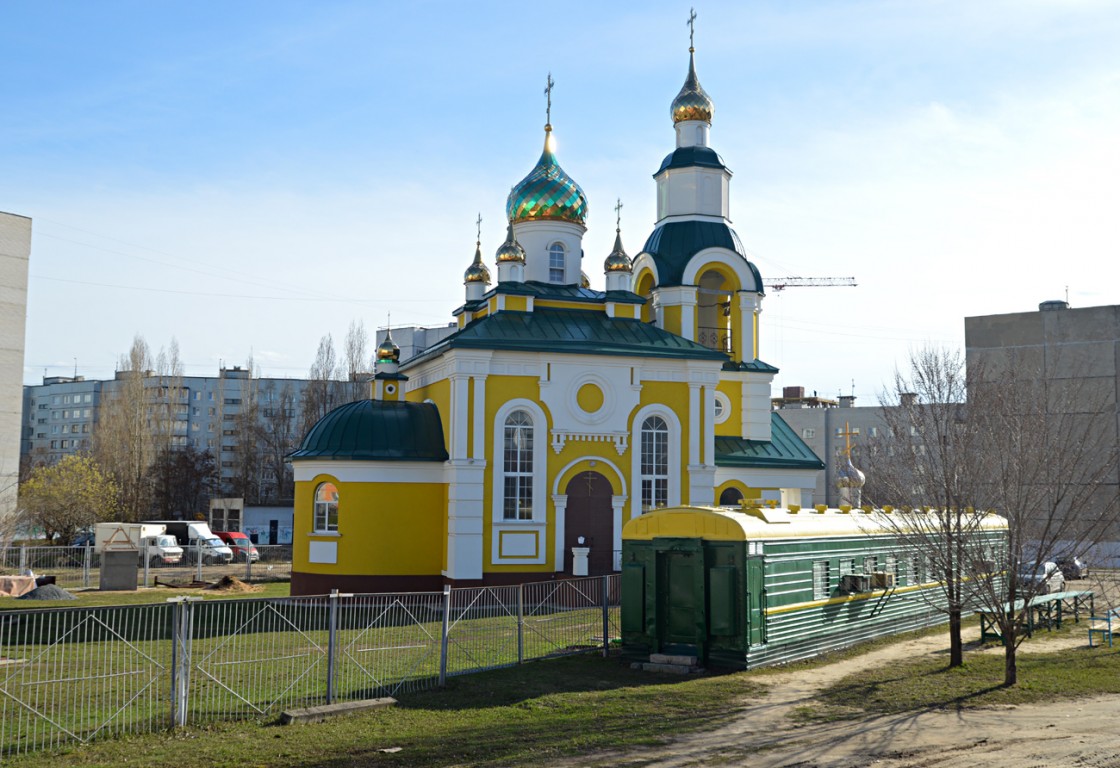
[
  {"x": 589, "y": 514},
  {"x": 731, "y": 497}
]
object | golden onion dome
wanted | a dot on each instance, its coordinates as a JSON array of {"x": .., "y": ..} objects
[
  {"x": 547, "y": 192},
  {"x": 477, "y": 271},
  {"x": 617, "y": 261},
  {"x": 693, "y": 102},
  {"x": 510, "y": 250},
  {"x": 387, "y": 350},
  {"x": 584, "y": 280}
]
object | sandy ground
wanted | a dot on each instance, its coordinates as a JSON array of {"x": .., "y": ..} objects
[{"x": 1053, "y": 735}]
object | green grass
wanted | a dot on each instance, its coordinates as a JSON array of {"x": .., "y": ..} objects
[
  {"x": 928, "y": 683},
  {"x": 533, "y": 714}
]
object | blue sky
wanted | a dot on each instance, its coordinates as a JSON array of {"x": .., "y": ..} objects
[{"x": 247, "y": 177}]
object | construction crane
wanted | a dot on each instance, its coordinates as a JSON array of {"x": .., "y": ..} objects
[{"x": 777, "y": 284}]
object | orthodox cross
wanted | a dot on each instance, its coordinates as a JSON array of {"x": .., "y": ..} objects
[
  {"x": 618, "y": 215},
  {"x": 590, "y": 477},
  {"x": 548, "y": 93},
  {"x": 691, "y": 26},
  {"x": 479, "y": 224},
  {"x": 847, "y": 435}
]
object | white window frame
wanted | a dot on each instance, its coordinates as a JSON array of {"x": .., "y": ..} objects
[
  {"x": 557, "y": 263},
  {"x": 321, "y": 509},
  {"x": 653, "y": 477},
  {"x": 518, "y": 439},
  {"x": 674, "y": 458},
  {"x": 540, "y": 462}
]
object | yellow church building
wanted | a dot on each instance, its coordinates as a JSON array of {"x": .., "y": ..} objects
[{"x": 516, "y": 448}]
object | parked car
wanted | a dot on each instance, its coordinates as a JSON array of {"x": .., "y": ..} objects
[
  {"x": 1048, "y": 579},
  {"x": 1073, "y": 568},
  {"x": 243, "y": 549}
]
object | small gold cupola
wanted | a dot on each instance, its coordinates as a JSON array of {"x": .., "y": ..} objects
[
  {"x": 387, "y": 379},
  {"x": 511, "y": 259},
  {"x": 617, "y": 264},
  {"x": 477, "y": 276}
]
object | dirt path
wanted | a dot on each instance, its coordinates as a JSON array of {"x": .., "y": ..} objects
[{"x": 1074, "y": 733}]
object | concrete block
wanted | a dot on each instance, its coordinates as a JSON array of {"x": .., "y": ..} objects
[{"x": 317, "y": 714}]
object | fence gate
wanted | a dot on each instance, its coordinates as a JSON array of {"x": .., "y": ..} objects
[{"x": 76, "y": 674}]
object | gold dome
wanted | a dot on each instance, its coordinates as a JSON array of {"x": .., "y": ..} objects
[
  {"x": 618, "y": 261},
  {"x": 387, "y": 350},
  {"x": 584, "y": 280},
  {"x": 477, "y": 271},
  {"x": 510, "y": 250},
  {"x": 693, "y": 102}
]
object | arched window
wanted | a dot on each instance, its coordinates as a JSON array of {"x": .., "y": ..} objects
[
  {"x": 556, "y": 258},
  {"x": 517, "y": 467},
  {"x": 326, "y": 507},
  {"x": 655, "y": 463}
]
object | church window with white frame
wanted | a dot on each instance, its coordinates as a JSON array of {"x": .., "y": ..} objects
[
  {"x": 326, "y": 508},
  {"x": 517, "y": 467},
  {"x": 556, "y": 258},
  {"x": 654, "y": 463}
]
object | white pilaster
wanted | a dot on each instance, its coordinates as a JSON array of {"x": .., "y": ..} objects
[
  {"x": 750, "y": 305},
  {"x": 459, "y": 416},
  {"x": 693, "y": 424},
  {"x": 464, "y": 520},
  {"x": 478, "y": 450},
  {"x": 560, "y": 505},
  {"x": 618, "y": 503},
  {"x": 709, "y": 455}
]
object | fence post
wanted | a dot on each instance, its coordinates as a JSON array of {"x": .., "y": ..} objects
[
  {"x": 87, "y": 563},
  {"x": 198, "y": 559},
  {"x": 606, "y": 615},
  {"x": 147, "y": 565},
  {"x": 22, "y": 559},
  {"x": 443, "y": 636},
  {"x": 520, "y": 623},
  {"x": 248, "y": 566},
  {"x": 332, "y": 639},
  {"x": 181, "y": 630}
]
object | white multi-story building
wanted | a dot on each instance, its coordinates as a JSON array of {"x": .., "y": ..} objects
[{"x": 15, "y": 253}]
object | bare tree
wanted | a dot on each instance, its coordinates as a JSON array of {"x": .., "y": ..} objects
[
  {"x": 1008, "y": 440},
  {"x": 278, "y": 439},
  {"x": 356, "y": 386},
  {"x": 122, "y": 440},
  {"x": 321, "y": 393}
]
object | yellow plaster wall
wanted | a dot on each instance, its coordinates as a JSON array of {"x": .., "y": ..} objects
[
  {"x": 513, "y": 303},
  {"x": 732, "y": 426},
  {"x": 386, "y": 529},
  {"x": 439, "y": 392},
  {"x": 672, "y": 315},
  {"x": 673, "y": 395}
]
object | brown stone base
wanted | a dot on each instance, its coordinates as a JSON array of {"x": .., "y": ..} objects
[{"x": 322, "y": 584}]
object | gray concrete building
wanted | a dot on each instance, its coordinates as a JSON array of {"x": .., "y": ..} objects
[
  {"x": 231, "y": 415},
  {"x": 15, "y": 254},
  {"x": 1076, "y": 351}
]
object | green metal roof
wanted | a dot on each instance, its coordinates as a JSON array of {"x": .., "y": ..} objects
[
  {"x": 376, "y": 430},
  {"x": 572, "y": 292},
  {"x": 672, "y": 245},
  {"x": 755, "y": 366},
  {"x": 691, "y": 157},
  {"x": 571, "y": 331},
  {"x": 784, "y": 450}
]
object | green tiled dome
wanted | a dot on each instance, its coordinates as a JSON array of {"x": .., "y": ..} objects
[
  {"x": 547, "y": 192},
  {"x": 376, "y": 430}
]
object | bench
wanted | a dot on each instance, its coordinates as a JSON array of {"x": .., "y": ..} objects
[
  {"x": 1042, "y": 611},
  {"x": 1103, "y": 625}
]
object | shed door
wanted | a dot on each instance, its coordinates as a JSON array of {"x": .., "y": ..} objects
[
  {"x": 680, "y": 615},
  {"x": 756, "y": 601}
]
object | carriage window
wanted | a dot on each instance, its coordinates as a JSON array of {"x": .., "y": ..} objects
[
  {"x": 892, "y": 565},
  {"x": 820, "y": 580},
  {"x": 326, "y": 507},
  {"x": 870, "y": 564},
  {"x": 847, "y": 566},
  {"x": 517, "y": 467}
]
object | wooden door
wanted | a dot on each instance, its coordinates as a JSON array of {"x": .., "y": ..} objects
[{"x": 589, "y": 514}]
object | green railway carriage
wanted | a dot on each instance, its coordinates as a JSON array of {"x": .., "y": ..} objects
[{"x": 745, "y": 588}]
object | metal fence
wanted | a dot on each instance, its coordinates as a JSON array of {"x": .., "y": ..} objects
[
  {"x": 81, "y": 566},
  {"x": 79, "y": 674}
]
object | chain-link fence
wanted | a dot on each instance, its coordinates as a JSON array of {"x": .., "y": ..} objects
[{"x": 77, "y": 674}]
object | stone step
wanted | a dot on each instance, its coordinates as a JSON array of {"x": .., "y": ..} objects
[
  {"x": 664, "y": 658},
  {"x": 669, "y": 669}
]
